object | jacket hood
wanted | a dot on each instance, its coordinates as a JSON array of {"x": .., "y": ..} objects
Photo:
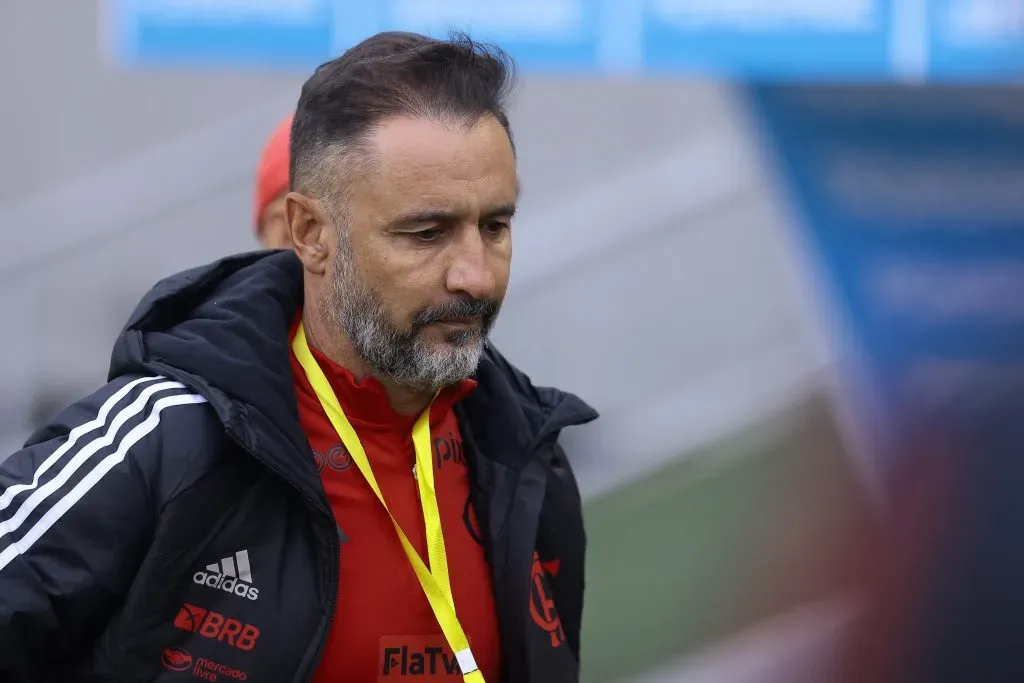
[{"x": 223, "y": 329}]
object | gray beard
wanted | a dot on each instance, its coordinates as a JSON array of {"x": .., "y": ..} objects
[{"x": 401, "y": 356}]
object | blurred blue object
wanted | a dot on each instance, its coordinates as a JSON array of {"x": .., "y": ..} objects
[
  {"x": 976, "y": 38},
  {"x": 802, "y": 39},
  {"x": 256, "y": 33},
  {"x": 763, "y": 39},
  {"x": 910, "y": 203}
]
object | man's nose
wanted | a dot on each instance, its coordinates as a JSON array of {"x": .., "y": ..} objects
[{"x": 470, "y": 272}]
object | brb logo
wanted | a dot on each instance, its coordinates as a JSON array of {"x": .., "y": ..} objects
[{"x": 216, "y": 627}]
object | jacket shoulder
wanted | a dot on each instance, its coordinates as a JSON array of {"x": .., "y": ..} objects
[
  {"x": 168, "y": 433},
  {"x": 559, "y": 408}
]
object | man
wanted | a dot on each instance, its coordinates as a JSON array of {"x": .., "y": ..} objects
[
  {"x": 269, "y": 218},
  {"x": 218, "y": 509}
]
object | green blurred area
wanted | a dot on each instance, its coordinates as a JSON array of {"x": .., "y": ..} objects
[{"x": 717, "y": 541}]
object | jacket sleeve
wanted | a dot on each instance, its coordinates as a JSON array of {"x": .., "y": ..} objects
[{"x": 77, "y": 513}]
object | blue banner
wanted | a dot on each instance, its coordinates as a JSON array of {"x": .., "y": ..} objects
[
  {"x": 818, "y": 38},
  {"x": 912, "y": 203},
  {"x": 542, "y": 35},
  {"x": 976, "y": 38},
  {"x": 251, "y": 33},
  {"x": 752, "y": 39}
]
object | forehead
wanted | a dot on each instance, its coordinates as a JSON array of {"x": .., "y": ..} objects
[{"x": 417, "y": 160}]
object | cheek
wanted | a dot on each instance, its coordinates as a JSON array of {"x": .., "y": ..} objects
[
  {"x": 502, "y": 267},
  {"x": 403, "y": 296},
  {"x": 402, "y": 310}
]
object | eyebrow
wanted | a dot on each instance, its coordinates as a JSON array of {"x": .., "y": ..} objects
[{"x": 413, "y": 219}]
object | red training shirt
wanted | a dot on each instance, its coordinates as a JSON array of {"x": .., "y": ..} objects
[{"x": 384, "y": 629}]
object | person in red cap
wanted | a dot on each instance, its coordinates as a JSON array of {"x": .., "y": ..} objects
[{"x": 269, "y": 218}]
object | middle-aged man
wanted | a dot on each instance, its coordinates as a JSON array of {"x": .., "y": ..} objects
[{"x": 312, "y": 465}]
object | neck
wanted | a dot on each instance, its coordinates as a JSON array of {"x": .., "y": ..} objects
[{"x": 339, "y": 349}]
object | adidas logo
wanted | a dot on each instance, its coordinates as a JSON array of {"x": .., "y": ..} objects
[{"x": 231, "y": 575}]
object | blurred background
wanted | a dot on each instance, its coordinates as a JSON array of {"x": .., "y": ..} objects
[{"x": 750, "y": 230}]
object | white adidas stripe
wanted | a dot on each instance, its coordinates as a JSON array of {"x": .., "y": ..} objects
[
  {"x": 82, "y": 456},
  {"x": 227, "y": 566},
  {"x": 54, "y": 514},
  {"x": 73, "y": 437},
  {"x": 244, "y": 570}
]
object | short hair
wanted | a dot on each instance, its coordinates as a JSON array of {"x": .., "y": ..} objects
[{"x": 392, "y": 74}]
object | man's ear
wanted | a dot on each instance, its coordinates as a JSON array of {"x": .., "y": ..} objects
[{"x": 310, "y": 230}]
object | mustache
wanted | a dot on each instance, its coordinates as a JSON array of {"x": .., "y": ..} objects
[{"x": 457, "y": 309}]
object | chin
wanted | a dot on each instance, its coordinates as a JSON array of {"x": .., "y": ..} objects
[
  {"x": 464, "y": 338},
  {"x": 458, "y": 357},
  {"x": 451, "y": 339}
]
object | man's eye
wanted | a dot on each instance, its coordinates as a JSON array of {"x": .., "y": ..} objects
[
  {"x": 496, "y": 227},
  {"x": 427, "y": 236}
]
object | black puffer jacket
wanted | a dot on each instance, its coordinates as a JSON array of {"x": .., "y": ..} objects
[{"x": 191, "y": 463}]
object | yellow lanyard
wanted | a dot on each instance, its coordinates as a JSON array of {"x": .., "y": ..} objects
[{"x": 434, "y": 581}]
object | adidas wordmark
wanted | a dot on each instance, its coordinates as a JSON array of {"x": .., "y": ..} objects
[{"x": 231, "y": 575}]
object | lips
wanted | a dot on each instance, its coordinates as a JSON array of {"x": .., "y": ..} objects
[{"x": 460, "y": 322}]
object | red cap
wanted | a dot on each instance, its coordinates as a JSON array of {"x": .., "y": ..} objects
[{"x": 272, "y": 174}]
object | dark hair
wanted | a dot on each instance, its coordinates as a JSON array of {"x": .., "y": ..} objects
[{"x": 393, "y": 74}]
